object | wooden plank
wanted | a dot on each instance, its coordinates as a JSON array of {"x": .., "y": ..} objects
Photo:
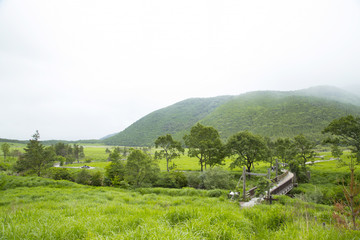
[{"x": 256, "y": 174}]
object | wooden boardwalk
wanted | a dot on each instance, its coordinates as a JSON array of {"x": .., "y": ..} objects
[{"x": 283, "y": 184}]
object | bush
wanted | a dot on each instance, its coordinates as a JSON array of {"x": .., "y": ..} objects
[
  {"x": 61, "y": 160},
  {"x": 83, "y": 177},
  {"x": 60, "y": 174},
  {"x": 171, "y": 180},
  {"x": 115, "y": 172},
  {"x": 217, "y": 178},
  {"x": 263, "y": 185},
  {"x": 17, "y": 181},
  {"x": 2, "y": 181},
  {"x": 214, "y": 193},
  {"x": 193, "y": 179},
  {"x": 300, "y": 171},
  {"x": 96, "y": 179},
  {"x": 4, "y": 166}
]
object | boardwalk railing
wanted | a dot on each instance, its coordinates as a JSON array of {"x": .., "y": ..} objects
[
  {"x": 281, "y": 189},
  {"x": 250, "y": 193},
  {"x": 284, "y": 188},
  {"x": 280, "y": 177}
]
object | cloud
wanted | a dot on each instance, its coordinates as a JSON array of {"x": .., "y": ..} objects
[{"x": 84, "y": 69}]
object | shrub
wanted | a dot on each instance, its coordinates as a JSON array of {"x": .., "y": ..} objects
[
  {"x": 96, "y": 179},
  {"x": 263, "y": 185},
  {"x": 115, "y": 173},
  {"x": 217, "y": 178},
  {"x": 83, "y": 177},
  {"x": 2, "y": 181},
  {"x": 180, "y": 179},
  {"x": 4, "y": 166},
  {"x": 193, "y": 179},
  {"x": 61, "y": 160},
  {"x": 60, "y": 174},
  {"x": 214, "y": 193},
  {"x": 165, "y": 180},
  {"x": 171, "y": 180}
]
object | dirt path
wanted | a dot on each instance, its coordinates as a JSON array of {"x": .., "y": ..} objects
[{"x": 58, "y": 165}]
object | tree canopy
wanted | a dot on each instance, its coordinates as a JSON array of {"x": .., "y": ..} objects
[
  {"x": 345, "y": 131},
  {"x": 284, "y": 149},
  {"x": 140, "y": 168},
  {"x": 304, "y": 149},
  {"x": 5, "y": 148},
  {"x": 37, "y": 157},
  {"x": 247, "y": 148},
  {"x": 205, "y": 144},
  {"x": 170, "y": 149}
]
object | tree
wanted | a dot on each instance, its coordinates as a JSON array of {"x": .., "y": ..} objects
[
  {"x": 248, "y": 149},
  {"x": 81, "y": 152},
  {"x": 140, "y": 168},
  {"x": 271, "y": 147},
  {"x": 284, "y": 150},
  {"x": 115, "y": 172},
  {"x": 170, "y": 149},
  {"x": 37, "y": 157},
  {"x": 60, "y": 149},
  {"x": 114, "y": 155},
  {"x": 345, "y": 131},
  {"x": 5, "y": 148},
  {"x": 304, "y": 149},
  {"x": 77, "y": 152},
  {"x": 336, "y": 151},
  {"x": 205, "y": 144}
]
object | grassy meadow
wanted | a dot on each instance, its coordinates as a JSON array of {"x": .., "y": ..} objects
[
  {"x": 37, "y": 208},
  {"x": 41, "y": 208}
]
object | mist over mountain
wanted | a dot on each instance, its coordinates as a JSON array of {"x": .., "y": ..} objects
[{"x": 269, "y": 113}]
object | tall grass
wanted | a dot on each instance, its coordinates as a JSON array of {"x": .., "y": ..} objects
[{"x": 45, "y": 211}]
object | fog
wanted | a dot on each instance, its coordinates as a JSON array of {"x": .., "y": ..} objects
[{"x": 85, "y": 69}]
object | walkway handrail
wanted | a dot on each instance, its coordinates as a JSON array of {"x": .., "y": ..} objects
[
  {"x": 279, "y": 189},
  {"x": 280, "y": 177}
]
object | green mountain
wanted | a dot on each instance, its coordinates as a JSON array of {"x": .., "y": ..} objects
[
  {"x": 269, "y": 113},
  {"x": 176, "y": 119}
]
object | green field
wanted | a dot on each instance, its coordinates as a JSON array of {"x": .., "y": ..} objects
[
  {"x": 48, "y": 209},
  {"x": 41, "y": 208}
]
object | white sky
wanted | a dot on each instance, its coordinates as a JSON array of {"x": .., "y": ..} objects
[{"x": 81, "y": 69}]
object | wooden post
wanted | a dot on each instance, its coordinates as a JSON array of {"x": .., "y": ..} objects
[
  {"x": 244, "y": 183},
  {"x": 276, "y": 169},
  {"x": 269, "y": 175}
]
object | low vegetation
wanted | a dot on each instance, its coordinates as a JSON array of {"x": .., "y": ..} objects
[
  {"x": 133, "y": 195},
  {"x": 36, "y": 208}
]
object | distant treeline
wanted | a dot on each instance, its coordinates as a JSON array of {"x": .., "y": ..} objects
[{"x": 53, "y": 142}]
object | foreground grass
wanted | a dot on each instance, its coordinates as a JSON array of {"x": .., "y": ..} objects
[{"x": 48, "y": 209}]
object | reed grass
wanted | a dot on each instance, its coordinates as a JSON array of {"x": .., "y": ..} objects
[{"x": 47, "y": 209}]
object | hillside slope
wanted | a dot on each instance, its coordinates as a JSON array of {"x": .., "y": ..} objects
[
  {"x": 175, "y": 119},
  {"x": 269, "y": 113},
  {"x": 276, "y": 114}
]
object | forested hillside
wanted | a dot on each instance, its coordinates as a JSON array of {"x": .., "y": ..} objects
[
  {"x": 276, "y": 114},
  {"x": 269, "y": 113},
  {"x": 175, "y": 119}
]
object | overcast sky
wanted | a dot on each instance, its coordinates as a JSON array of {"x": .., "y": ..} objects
[{"x": 82, "y": 69}]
